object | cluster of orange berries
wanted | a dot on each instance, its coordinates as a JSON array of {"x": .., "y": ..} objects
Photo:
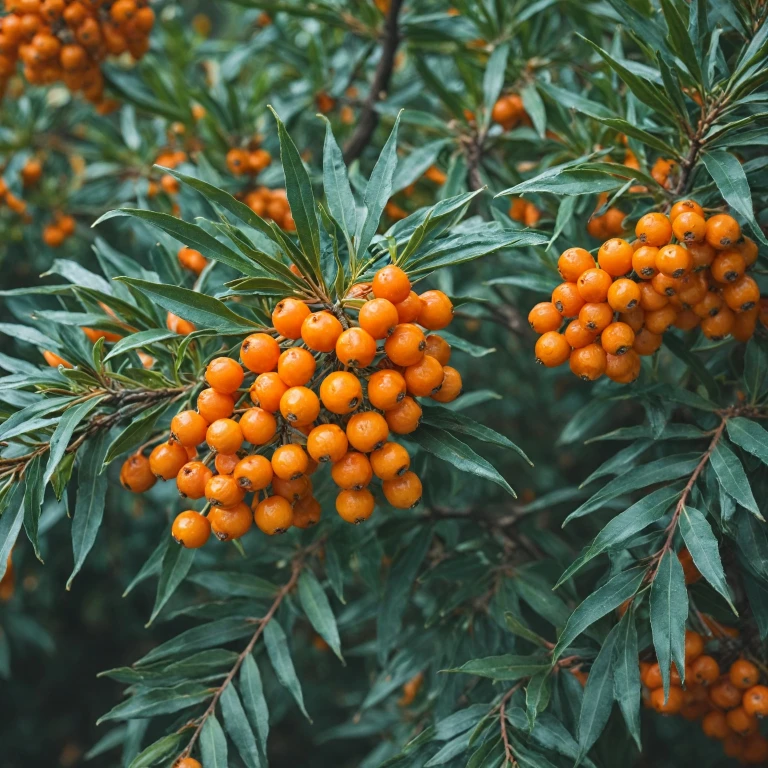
[
  {"x": 170, "y": 158},
  {"x": 252, "y": 161},
  {"x": 509, "y": 112},
  {"x": 524, "y": 211},
  {"x": 56, "y": 232},
  {"x": 272, "y": 204},
  {"x": 327, "y": 390},
  {"x": 728, "y": 704},
  {"x": 608, "y": 224},
  {"x": 14, "y": 203},
  {"x": 683, "y": 270},
  {"x": 68, "y": 39}
]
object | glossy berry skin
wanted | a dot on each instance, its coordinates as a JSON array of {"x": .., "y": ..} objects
[
  {"x": 650, "y": 298},
  {"x": 406, "y": 345},
  {"x": 296, "y": 367},
  {"x": 705, "y": 670},
  {"x": 617, "y": 338},
  {"x": 595, "y": 316},
  {"x": 259, "y": 353},
  {"x": 289, "y": 461},
  {"x": 654, "y": 229},
  {"x": 292, "y": 490},
  {"x": 728, "y": 266},
  {"x": 356, "y": 348},
  {"x": 167, "y": 459},
  {"x": 742, "y": 295},
  {"x": 544, "y": 317},
  {"x": 367, "y": 431},
  {"x": 258, "y": 426},
  {"x": 409, "y": 309},
  {"x": 225, "y": 463},
  {"x": 274, "y": 515},
  {"x": 573, "y": 262},
  {"x": 425, "y": 378},
  {"x": 390, "y": 461},
  {"x": 615, "y": 257},
  {"x": 191, "y": 529},
  {"x": 436, "y": 310},
  {"x": 593, "y": 285},
  {"x": 223, "y": 491},
  {"x": 451, "y": 388},
  {"x": 588, "y": 362},
  {"x": 659, "y": 320},
  {"x": 341, "y": 392},
  {"x": 188, "y": 762},
  {"x": 224, "y": 436},
  {"x": 743, "y": 674},
  {"x": 320, "y": 330},
  {"x": 267, "y": 390},
  {"x": 327, "y": 442},
  {"x": 213, "y": 405},
  {"x": 386, "y": 388},
  {"x": 623, "y": 369},
  {"x": 719, "y": 326},
  {"x": 253, "y": 473},
  {"x": 725, "y": 695},
  {"x": 567, "y": 299},
  {"x": 577, "y": 335},
  {"x": 288, "y": 316},
  {"x": 685, "y": 206},
  {"x": 224, "y": 374},
  {"x": 623, "y": 295},
  {"x": 352, "y": 472},
  {"x": 689, "y": 227},
  {"x": 674, "y": 260},
  {"x": 405, "y": 417},
  {"x": 646, "y": 343},
  {"x": 723, "y": 231},
  {"x": 379, "y": 317},
  {"x": 403, "y": 492},
  {"x": 355, "y": 506},
  {"x": 644, "y": 261},
  {"x": 391, "y": 283},
  {"x": 438, "y": 348},
  {"x": 192, "y": 479},
  {"x": 136, "y": 474},
  {"x": 229, "y": 523},
  {"x": 306, "y": 512},
  {"x": 755, "y": 700},
  {"x": 552, "y": 349},
  {"x": 300, "y": 406},
  {"x": 188, "y": 428}
]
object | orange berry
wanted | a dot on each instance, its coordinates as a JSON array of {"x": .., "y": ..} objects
[
  {"x": 267, "y": 390},
  {"x": 288, "y": 316},
  {"x": 654, "y": 229},
  {"x": 685, "y": 206},
  {"x": 327, "y": 442},
  {"x": 694, "y": 645},
  {"x": 192, "y": 260},
  {"x": 320, "y": 330},
  {"x": 225, "y": 463},
  {"x": 705, "y": 670},
  {"x": 748, "y": 249},
  {"x": 439, "y": 348},
  {"x": 136, "y": 474},
  {"x": 213, "y": 405},
  {"x": 693, "y": 288},
  {"x": 300, "y": 406},
  {"x": 405, "y": 417},
  {"x": 391, "y": 283},
  {"x": 595, "y": 316},
  {"x": 623, "y": 295},
  {"x": 296, "y": 367},
  {"x": 367, "y": 431},
  {"x": 545, "y": 317},
  {"x": 379, "y": 317},
  {"x": 659, "y": 320},
  {"x": 306, "y": 512},
  {"x": 424, "y": 378},
  {"x": 588, "y": 363},
  {"x": 386, "y": 388},
  {"x": 192, "y": 478},
  {"x": 665, "y": 285},
  {"x": 718, "y": 326},
  {"x": 723, "y": 231},
  {"x": 352, "y": 471},
  {"x": 672, "y": 705},
  {"x": 355, "y": 506},
  {"x": 237, "y": 160},
  {"x": 617, "y": 338},
  {"x": 578, "y": 336},
  {"x": 404, "y": 491},
  {"x": 552, "y": 349},
  {"x": 755, "y": 700},
  {"x": 229, "y": 523},
  {"x": 167, "y": 459},
  {"x": 341, "y": 392},
  {"x": 740, "y": 722},
  {"x": 689, "y": 227},
  {"x": 725, "y": 694},
  {"x": 743, "y": 674},
  {"x": 755, "y": 750},
  {"x": 390, "y": 461},
  {"x": 223, "y": 491},
  {"x": 188, "y": 428},
  {"x": 650, "y": 298},
  {"x": 289, "y": 461},
  {"x": 258, "y": 426},
  {"x": 294, "y": 489},
  {"x": 176, "y": 324},
  {"x": 710, "y": 305},
  {"x": 253, "y": 473},
  {"x": 191, "y": 529},
  {"x": 644, "y": 261},
  {"x": 451, "y": 388},
  {"x": 593, "y": 285},
  {"x": 573, "y": 262},
  {"x": 646, "y": 343},
  {"x": 728, "y": 266},
  {"x": 356, "y": 348},
  {"x": 745, "y": 324},
  {"x": 615, "y": 257},
  {"x": 408, "y": 310},
  {"x": 715, "y": 725},
  {"x": 436, "y": 310},
  {"x": 634, "y": 318},
  {"x": 224, "y": 436},
  {"x": 674, "y": 260},
  {"x": 259, "y": 353},
  {"x": 224, "y": 375},
  {"x": 623, "y": 369},
  {"x": 406, "y": 345},
  {"x": 742, "y": 295},
  {"x": 568, "y": 299}
]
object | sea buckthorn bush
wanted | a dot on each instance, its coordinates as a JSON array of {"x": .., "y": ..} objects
[{"x": 294, "y": 295}]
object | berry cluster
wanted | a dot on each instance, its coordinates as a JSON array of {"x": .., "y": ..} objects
[
  {"x": 14, "y": 203},
  {"x": 56, "y": 232},
  {"x": 728, "y": 703},
  {"x": 271, "y": 204},
  {"x": 524, "y": 211},
  {"x": 329, "y": 388},
  {"x": 251, "y": 160},
  {"x": 170, "y": 158},
  {"x": 68, "y": 39},
  {"x": 683, "y": 270},
  {"x": 509, "y": 112},
  {"x": 608, "y": 224}
]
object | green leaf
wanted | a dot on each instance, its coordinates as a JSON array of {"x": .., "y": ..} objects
[
  {"x": 750, "y": 436},
  {"x": 234, "y": 584},
  {"x": 91, "y": 498},
  {"x": 254, "y": 702},
  {"x": 280, "y": 657},
  {"x": 238, "y": 727},
  {"x": 190, "y": 235},
  {"x": 378, "y": 190},
  {"x": 601, "y": 602},
  {"x": 42, "y": 407},
  {"x": 679, "y": 349},
  {"x": 445, "y": 446},
  {"x": 493, "y": 78},
  {"x": 136, "y": 433},
  {"x": 315, "y": 604},
  {"x": 669, "y": 610},
  {"x": 202, "y": 310},
  {"x": 475, "y": 350},
  {"x": 702, "y": 544},
  {"x": 566, "y": 182},
  {"x": 34, "y": 490},
  {"x": 537, "y": 694},
  {"x": 300, "y": 196},
  {"x": 10, "y": 525},
  {"x": 626, "y": 674},
  {"x": 213, "y": 744},
  {"x": 535, "y": 108},
  {"x": 630, "y": 129},
  {"x": 341, "y": 201},
  {"x": 139, "y": 341},
  {"x": 163, "y": 749},
  {"x": 158, "y": 701},
  {"x": 732, "y": 478},
  {"x": 151, "y": 566},
  {"x": 68, "y": 423},
  {"x": 679, "y": 40},
  {"x": 571, "y": 100},
  {"x": 598, "y": 695},
  {"x": 728, "y": 174},
  {"x": 505, "y": 667},
  {"x": 176, "y": 564},
  {"x": 755, "y": 369}
]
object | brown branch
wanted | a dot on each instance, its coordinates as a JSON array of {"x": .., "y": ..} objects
[
  {"x": 508, "y": 753},
  {"x": 369, "y": 118},
  {"x": 296, "y": 569}
]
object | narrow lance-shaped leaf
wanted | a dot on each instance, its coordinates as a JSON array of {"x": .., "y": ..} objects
[
  {"x": 750, "y": 436},
  {"x": 626, "y": 675},
  {"x": 255, "y": 704},
  {"x": 34, "y": 490},
  {"x": 176, "y": 564},
  {"x": 238, "y": 727},
  {"x": 10, "y": 525},
  {"x": 493, "y": 79},
  {"x": 280, "y": 657},
  {"x": 732, "y": 477},
  {"x": 315, "y": 604},
  {"x": 213, "y": 744},
  {"x": 341, "y": 201}
]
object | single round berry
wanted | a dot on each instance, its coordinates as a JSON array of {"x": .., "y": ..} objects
[
  {"x": 719, "y": 326},
  {"x": 405, "y": 417},
  {"x": 258, "y": 426},
  {"x": 705, "y": 670},
  {"x": 341, "y": 392},
  {"x": 353, "y": 471},
  {"x": 436, "y": 310},
  {"x": 288, "y": 316},
  {"x": 191, "y": 529},
  {"x": 578, "y": 336},
  {"x": 289, "y": 461},
  {"x": 593, "y": 285},
  {"x": 624, "y": 295},
  {"x": 259, "y": 353},
  {"x": 306, "y": 512},
  {"x": 755, "y": 700},
  {"x": 367, "y": 431},
  {"x": 296, "y": 367},
  {"x": 188, "y": 428},
  {"x": 391, "y": 283},
  {"x": 167, "y": 459},
  {"x": 225, "y": 463},
  {"x": 386, "y": 388},
  {"x": 572, "y": 264},
  {"x": 223, "y": 491},
  {"x": 224, "y": 374},
  {"x": 685, "y": 206},
  {"x": 192, "y": 260},
  {"x": 451, "y": 388},
  {"x": 213, "y": 405},
  {"x": 253, "y": 473},
  {"x": 644, "y": 261},
  {"x": 224, "y": 436},
  {"x": 596, "y": 316},
  {"x": 404, "y": 491},
  {"x": 406, "y": 345},
  {"x": 552, "y": 349},
  {"x": 379, "y": 317},
  {"x": 292, "y": 490},
  {"x": 300, "y": 406},
  {"x": 320, "y": 330},
  {"x": 355, "y": 506},
  {"x": 356, "y": 348},
  {"x": 438, "y": 348},
  {"x": 742, "y": 295},
  {"x": 192, "y": 479},
  {"x": 424, "y": 378},
  {"x": 646, "y": 343},
  {"x": 617, "y": 339},
  {"x": 567, "y": 299},
  {"x": 327, "y": 442},
  {"x": 542, "y": 318},
  {"x": 623, "y": 369},
  {"x": 743, "y": 674},
  {"x": 588, "y": 362},
  {"x": 659, "y": 320},
  {"x": 390, "y": 461},
  {"x": 654, "y": 229},
  {"x": 267, "y": 390},
  {"x": 674, "y": 261},
  {"x": 723, "y": 231},
  {"x": 615, "y": 257},
  {"x": 229, "y": 523},
  {"x": 689, "y": 227},
  {"x": 409, "y": 309},
  {"x": 136, "y": 474}
]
